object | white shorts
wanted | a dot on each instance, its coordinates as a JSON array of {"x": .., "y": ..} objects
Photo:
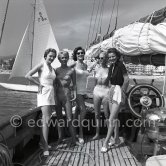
[
  {"x": 46, "y": 97},
  {"x": 115, "y": 94}
]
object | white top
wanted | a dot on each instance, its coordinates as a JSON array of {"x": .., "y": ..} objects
[
  {"x": 81, "y": 80},
  {"x": 47, "y": 77},
  {"x": 47, "y": 96}
]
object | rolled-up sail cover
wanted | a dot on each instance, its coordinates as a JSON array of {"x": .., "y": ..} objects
[
  {"x": 140, "y": 38},
  {"x": 135, "y": 39}
]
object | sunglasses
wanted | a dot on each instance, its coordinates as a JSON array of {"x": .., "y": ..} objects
[
  {"x": 101, "y": 58},
  {"x": 80, "y": 53}
]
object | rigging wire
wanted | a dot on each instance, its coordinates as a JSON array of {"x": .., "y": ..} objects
[
  {"x": 3, "y": 25},
  {"x": 34, "y": 10},
  {"x": 100, "y": 18},
  {"x": 87, "y": 45},
  {"x": 95, "y": 20},
  {"x": 117, "y": 16},
  {"x": 111, "y": 17}
]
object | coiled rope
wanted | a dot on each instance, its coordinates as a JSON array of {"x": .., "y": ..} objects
[{"x": 5, "y": 156}]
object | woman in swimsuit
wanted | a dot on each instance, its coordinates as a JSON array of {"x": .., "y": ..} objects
[
  {"x": 119, "y": 80},
  {"x": 65, "y": 76},
  {"x": 100, "y": 91},
  {"x": 45, "y": 97},
  {"x": 81, "y": 79}
]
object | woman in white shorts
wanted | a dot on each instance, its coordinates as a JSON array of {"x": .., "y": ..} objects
[
  {"x": 45, "y": 96},
  {"x": 119, "y": 81}
]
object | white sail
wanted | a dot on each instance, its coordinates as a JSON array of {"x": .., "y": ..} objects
[{"x": 37, "y": 38}]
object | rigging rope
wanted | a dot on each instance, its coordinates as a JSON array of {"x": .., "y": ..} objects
[
  {"x": 111, "y": 18},
  {"x": 3, "y": 25},
  {"x": 90, "y": 23},
  {"x": 117, "y": 15},
  {"x": 5, "y": 156},
  {"x": 95, "y": 20},
  {"x": 100, "y": 18}
]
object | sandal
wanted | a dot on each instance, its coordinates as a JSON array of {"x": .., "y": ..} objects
[
  {"x": 41, "y": 146},
  {"x": 46, "y": 153},
  {"x": 76, "y": 144},
  {"x": 104, "y": 149},
  {"x": 118, "y": 144},
  {"x": 110, "y": 144},
  {"x": 81, "y": 140},
  {"x": 114, "y": 144}
]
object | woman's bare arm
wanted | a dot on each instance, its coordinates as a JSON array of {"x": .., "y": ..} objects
[
  {"x": 32, "y": 72},
  {"x": 73, "y": 76},
  {"x": 126, "y": 82}
]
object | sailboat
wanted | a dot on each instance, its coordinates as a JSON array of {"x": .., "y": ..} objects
[{"x": 37, "y": 38}]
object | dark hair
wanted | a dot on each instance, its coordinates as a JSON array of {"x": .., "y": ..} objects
[
  {"x": 75, "y": 52},
  {"x": 115, "y": 51},
  {"x": 47, "y": 51},
  {"x": 63, "y": 52}
]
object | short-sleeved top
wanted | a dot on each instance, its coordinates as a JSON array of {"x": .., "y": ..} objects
[{"x": 116, "y": 72}]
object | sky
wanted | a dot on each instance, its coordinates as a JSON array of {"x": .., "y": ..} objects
[{"x": 70, "y": 20}]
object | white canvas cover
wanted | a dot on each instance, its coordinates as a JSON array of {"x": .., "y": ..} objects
[{"x": 135, "y": 39}]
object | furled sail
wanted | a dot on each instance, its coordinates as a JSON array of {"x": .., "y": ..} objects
[
  {"x": 37, "y": 38},
  {"x": 136, "y": 39}
]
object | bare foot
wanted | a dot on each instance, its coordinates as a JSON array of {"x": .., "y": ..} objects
[
  {"x": 95, "y": 137},
  {"x": 76, "y": 144},
  {"x": 60, "y": 140},
  {"x": 117, "y": 141}
]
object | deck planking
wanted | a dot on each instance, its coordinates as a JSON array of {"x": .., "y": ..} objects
[{"x": 116, "y": 156}]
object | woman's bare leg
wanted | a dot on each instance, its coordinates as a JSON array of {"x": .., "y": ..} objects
[
  {"x": 114, "y": 113},
  {"x": 46, "y": 112},
  {"x": 116, "y": 132},
  {"x": 97, "y": 106},
  {"x": 75, "y": 117},
  {"x": 81, "y": 104},
  {"x": 106, "y": 110}
]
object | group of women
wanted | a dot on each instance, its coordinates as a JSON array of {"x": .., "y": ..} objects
[{"x": 111, "y": 82}]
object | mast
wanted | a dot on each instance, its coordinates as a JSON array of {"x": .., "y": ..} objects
[
  {"x": 33, "y": 29},
  {"x": 3, "y": 25}
]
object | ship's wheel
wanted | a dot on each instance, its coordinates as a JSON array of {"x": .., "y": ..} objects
[{"x": 144, "y": 96}]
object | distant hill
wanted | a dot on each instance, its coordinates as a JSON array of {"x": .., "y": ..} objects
[{"x": 7, "y": 57}]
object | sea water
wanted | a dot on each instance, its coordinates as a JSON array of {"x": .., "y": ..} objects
[{"x": 14, "y": 102}]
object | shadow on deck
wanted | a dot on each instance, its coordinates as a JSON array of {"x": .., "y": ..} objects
[{"x": 65, "y": 154}]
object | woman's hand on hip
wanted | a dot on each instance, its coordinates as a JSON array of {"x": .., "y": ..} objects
[{"x": 40, "y": 87}]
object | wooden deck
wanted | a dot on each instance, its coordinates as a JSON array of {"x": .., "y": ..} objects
[{"x": 66, "y": 155}]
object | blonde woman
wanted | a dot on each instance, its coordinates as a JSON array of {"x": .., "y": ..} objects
[{"x": 100, "y": 92}]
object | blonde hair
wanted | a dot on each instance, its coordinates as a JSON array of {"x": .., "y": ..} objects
[{"x": 63, "y": 53}]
